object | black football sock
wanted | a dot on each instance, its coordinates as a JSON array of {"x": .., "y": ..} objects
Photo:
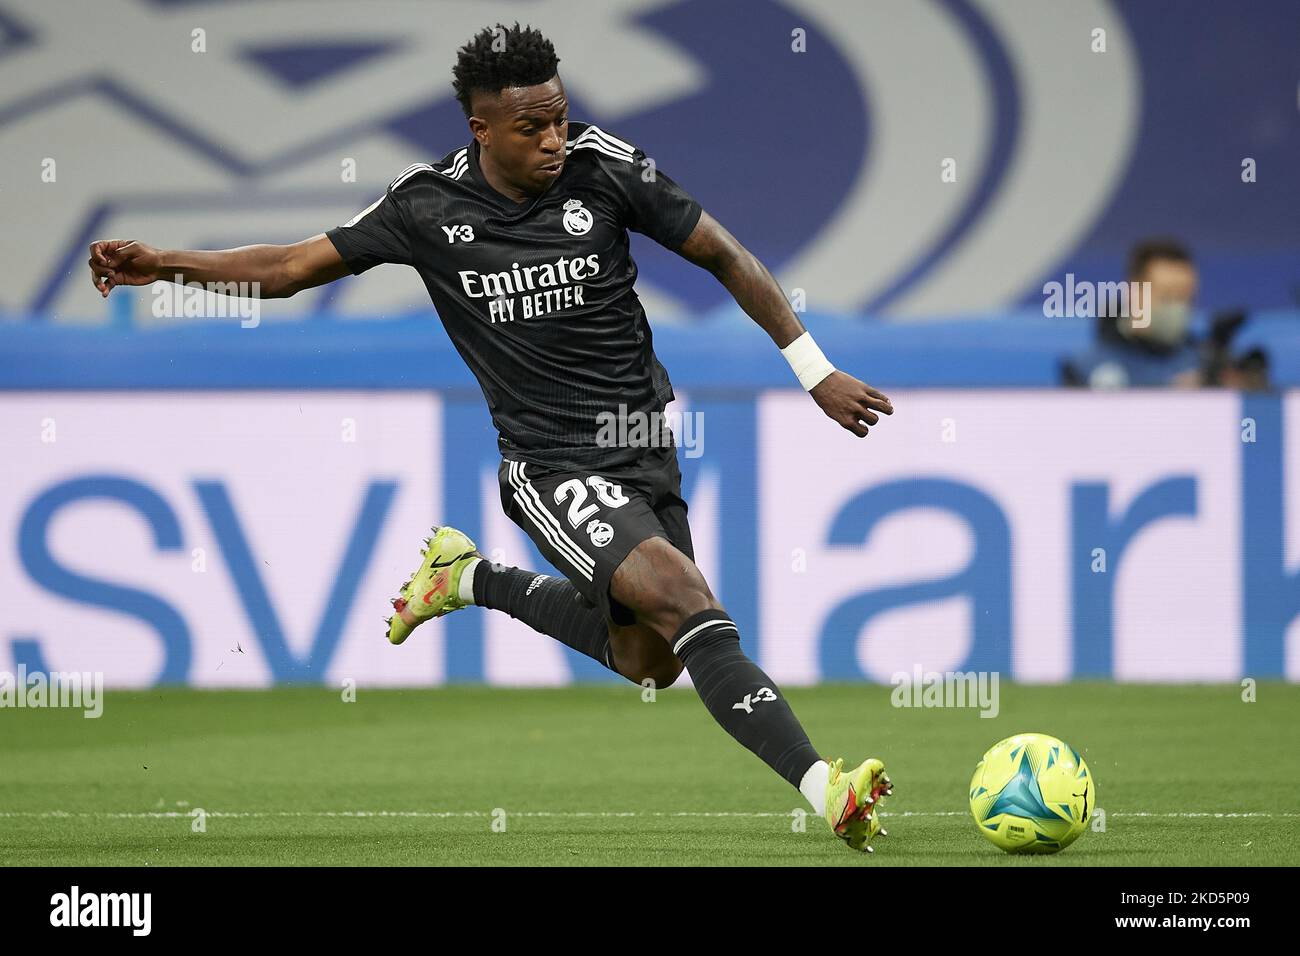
[
  {"x": 742, "y": 698},
  {"x": 547, "y": 604}
]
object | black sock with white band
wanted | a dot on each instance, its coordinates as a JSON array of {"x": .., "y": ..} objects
[
  {"x": 743, "y": 699},
  {"x": 547, "y": 604}
]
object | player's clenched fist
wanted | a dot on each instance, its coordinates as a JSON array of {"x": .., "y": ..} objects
[
  {"x": 115, "y": 262},
  {"x": 850, "y": 402}
]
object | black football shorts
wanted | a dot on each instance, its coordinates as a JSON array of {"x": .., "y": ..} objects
[{"x": 586, "y": 522}]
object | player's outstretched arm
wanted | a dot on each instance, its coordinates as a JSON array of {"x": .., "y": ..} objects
[
  {"x": 273, "y": 272},
  {"x": 852, "y": 403}
]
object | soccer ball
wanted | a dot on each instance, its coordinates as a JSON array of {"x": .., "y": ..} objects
[{"x": 1032, "y": 793}]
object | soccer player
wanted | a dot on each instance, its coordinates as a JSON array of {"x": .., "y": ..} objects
[{"x": 521, "y": 239}]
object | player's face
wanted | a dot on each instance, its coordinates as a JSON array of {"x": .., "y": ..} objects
[{"x": 524, "y": 129}]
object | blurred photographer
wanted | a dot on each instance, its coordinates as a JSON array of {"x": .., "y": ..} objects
[{"x": 1151, "y": 343}]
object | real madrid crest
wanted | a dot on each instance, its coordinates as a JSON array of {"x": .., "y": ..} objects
[
  {"x": 577, "y": 219},
  {"x": 601, "y": 532}
]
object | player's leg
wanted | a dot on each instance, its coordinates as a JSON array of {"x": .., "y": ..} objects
[
  {"x": 670, "y": 596},
  {"x": 584, "y": 525},
  {"x": 575, "y": 612},
  {"x": 553, "y": 606},
  {"x": 453, "y": 574},
  {"x": 572, "y": 611},
  {"x": 639, "y": 645}
]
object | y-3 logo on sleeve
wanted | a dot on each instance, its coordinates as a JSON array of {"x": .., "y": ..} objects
[{"x": 747, "y": 705}]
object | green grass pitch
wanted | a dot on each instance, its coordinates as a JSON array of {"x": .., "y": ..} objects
[{"x": 594, "y": 775}]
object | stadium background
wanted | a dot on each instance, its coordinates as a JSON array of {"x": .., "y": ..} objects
[{"x": 190, "y": 501}]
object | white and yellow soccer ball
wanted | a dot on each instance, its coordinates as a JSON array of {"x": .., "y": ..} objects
[{"x": 1032, "y": 793}]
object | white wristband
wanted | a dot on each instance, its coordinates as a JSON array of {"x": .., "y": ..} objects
[{"x": 807, "y": 361}]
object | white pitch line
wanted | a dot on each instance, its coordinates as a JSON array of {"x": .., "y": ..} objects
[{"x": 563, "y": 814}]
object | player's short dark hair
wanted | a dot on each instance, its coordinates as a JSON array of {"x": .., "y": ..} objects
[
  {"x": 500, "y": 57},
  {"x": 1149, "y": 250}
]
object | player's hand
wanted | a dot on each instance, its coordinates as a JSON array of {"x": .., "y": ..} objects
[
  {"x": 851, "y": 403},
  {"x": 115, "y": 262}
]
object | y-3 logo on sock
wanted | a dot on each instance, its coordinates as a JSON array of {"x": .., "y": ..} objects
[{"x": 747, "y": 705}]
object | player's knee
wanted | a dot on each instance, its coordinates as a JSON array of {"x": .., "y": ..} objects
[
  {"x": 663, "y": 586},
  {"x": 676, "y": 600},
  {"x": 670, "y": 607}
]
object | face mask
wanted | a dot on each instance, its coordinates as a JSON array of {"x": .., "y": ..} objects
[{"x": 1168, "y": 323}]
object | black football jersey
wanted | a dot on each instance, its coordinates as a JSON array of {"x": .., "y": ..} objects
[{"x": 537, "y": 296}]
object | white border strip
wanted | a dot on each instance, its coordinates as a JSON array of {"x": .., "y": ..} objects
[{"x": 558, "y": 814}]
